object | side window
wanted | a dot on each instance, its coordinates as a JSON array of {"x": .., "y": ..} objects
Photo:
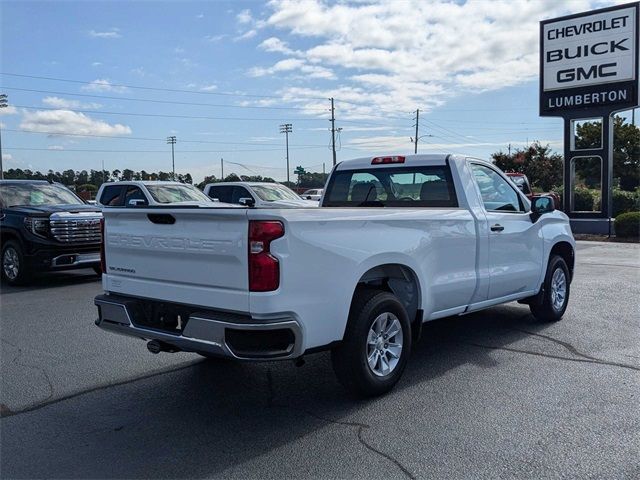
[
  {"x": 238, "y": 193},
  {"x": 135, "y": 197},
  {"x": 223, "y": 193},
  {"x": 111, "y": 196},
  {"x": 497, "y": 194}
]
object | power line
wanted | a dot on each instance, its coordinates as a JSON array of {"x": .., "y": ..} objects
[
  {"x": 119, "y": 137},
  {"x": 171, "y": 102},
  {"x": 151, "y": 151},
  {"x": 161, "y": 115},
  {"x": 140, "y": 87}
]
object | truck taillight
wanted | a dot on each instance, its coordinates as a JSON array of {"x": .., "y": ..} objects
[
  {"x": 103, "y": 261},
  {"x": 393, "y": 159},
  {"x": 264, "y": 268}
]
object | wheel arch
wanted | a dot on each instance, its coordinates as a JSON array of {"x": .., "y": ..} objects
[
  {"x": 566, "y": 251},
  {"x": 398, "y": 279}
]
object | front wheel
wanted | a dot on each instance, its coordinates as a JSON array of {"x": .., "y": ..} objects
[
  {"x": 554, "y": 298},
  {"x": 14, "y": 270},
  {"x": 376, "y": 345}
]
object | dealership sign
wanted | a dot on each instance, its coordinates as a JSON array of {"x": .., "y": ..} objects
[{"x": 589, "y": 60}]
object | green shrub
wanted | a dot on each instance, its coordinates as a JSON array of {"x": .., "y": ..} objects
[
  {"x": 584, "y": 200},
  {"x": 624, "y": 201},
  {"x": 628, "y": 225}
]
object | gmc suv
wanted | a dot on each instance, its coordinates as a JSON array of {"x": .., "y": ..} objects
[{"x": 45, "y": 226}]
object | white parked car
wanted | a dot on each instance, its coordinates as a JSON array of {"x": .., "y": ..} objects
[
  {"x": 313, "y": 194},
  {"x": 140, "y": 193},
  {"x": 397, "y": 241},
  {"x": 258, "y": 194}
]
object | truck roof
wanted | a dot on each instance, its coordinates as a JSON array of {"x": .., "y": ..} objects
[
  {"x": 250, "y": 184},
  {"x": 409, "y": 160},
  {"x": 144, "y": 182}
]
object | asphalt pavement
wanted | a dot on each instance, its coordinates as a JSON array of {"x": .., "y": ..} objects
[{"x": 494, "y": 394}]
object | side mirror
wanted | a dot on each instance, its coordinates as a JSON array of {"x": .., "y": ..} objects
[
  {"x": 540, "y": 206},
  {"x": 247, "y": 201}
]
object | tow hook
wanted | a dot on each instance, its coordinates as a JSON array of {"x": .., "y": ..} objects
[{"x": 154, "y": 346}]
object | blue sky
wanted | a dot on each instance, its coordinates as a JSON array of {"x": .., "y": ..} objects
[{"x": 237, "y": 70}]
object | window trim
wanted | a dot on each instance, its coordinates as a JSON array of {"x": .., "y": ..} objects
[{"x": 519, "y": 194}]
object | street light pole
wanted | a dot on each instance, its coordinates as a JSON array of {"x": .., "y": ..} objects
[
  {"x": 172, "y": 140},
  {"x": 3, "y": 104},
  {"x": 287, "y": 128}
]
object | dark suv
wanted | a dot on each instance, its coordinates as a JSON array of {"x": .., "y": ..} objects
[{"x": 45, "y": 226}]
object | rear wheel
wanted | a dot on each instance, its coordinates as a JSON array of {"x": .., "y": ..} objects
[
  {"x": 14, "y": 270},
  {"x": 554, "y": 298},
  {"x": 376, "y": 345}
]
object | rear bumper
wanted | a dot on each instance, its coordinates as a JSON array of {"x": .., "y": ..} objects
[{"x": 215, "y": 333}]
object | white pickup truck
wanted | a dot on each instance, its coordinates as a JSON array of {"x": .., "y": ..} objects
[{"x": 397, "y": 241}]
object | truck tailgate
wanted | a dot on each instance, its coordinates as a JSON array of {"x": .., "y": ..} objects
[{"x": 196, "y": 256}]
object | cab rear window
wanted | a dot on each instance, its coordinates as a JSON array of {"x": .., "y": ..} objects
[{"x": 420, "y": 186}]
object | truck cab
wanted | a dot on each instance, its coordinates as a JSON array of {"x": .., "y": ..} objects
[{"x": 45, "y": 226}]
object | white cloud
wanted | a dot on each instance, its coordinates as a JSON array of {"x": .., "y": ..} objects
[
  {"x": 293, "y": 64},
  {"x": 244, "y": 17},
  {"x": 61, "y": 122},
  {"x": 8, "y": 110},
  {"x": 111, "y": 33},
  {"x": 58, "y": 102},
  {"x": 55, "y": 147},
  {"x": 246, "y": 35},
  {"x": 7, "y": 157},
  {"x": 96, "y": 64},
  {"x": 103, "y": 85},
  {"x": 215, "y": 38},
  {"x": 274, "y": 44},
  {"x": 179, "y": 50},
  {"x": 200, "y": 15},
  {"x": 209, "y": 88},
  {"x": 412, "y": 53}
]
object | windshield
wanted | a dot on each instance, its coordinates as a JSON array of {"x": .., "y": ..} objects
[
  {"x": 176, "y": 193},
  {"x": 419, "y": 186},
  {"x": 272, "y": 193},
  {"x": 37, "y": 194}
]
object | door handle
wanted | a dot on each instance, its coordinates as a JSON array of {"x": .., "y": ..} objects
[{"x": 497, "y": 228}]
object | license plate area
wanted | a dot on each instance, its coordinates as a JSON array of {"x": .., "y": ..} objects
[{"x": 167, "y": 317}]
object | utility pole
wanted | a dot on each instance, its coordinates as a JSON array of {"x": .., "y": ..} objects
[
  {"x": 333, "y": 131},
  {"x": 509, "y": 150},
  {"x": 415, "y": 145},
  {"x": 287, "y": 128},
  {"x": 323, "y": 172},
  {"x": 222, "y": 169},
  {"x": 172, "y": 140},
  {"x": 3, "y": 104}
]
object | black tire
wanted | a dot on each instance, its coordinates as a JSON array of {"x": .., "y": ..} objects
[
  {"x": 546, "y": 308},
  {"x": 349, "y": 358},
  {"x": 14, "y": 271}
]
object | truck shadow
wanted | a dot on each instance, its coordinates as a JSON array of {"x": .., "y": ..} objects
[
  {"x": 46, "y": 280},
  {"x": 219, "y": 418}
]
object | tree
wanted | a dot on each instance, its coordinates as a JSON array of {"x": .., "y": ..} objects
[
  {"x": 127, "y": 175},
  {"x": 538, "y": 163}
]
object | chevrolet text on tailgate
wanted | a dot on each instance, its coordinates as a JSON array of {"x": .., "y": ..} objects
[{"x": 397, "y": 241}]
